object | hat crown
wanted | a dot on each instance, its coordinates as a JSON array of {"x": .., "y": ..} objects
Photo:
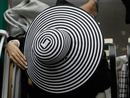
[{"x": 51, "y": 46}]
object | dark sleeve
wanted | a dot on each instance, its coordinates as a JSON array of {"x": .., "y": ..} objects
[
  {"x": 63, "y": 2},
  {"x": 21, "y": 39}
]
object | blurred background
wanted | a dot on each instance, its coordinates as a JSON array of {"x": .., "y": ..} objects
[{"x": 111, "y": 17}]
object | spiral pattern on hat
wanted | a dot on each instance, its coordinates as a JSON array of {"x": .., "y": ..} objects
[
  {"x": 50, "y": 46},
  {"x": 63, "y": 48}
]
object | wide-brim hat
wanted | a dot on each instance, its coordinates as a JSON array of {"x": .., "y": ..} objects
[{"x": 63, "y": 48}]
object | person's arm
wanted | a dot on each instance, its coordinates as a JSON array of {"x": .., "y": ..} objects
[{"x": 15, "y": 53}]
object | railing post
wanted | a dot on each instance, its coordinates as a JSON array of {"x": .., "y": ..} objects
[{"x": 112, "y": 53}]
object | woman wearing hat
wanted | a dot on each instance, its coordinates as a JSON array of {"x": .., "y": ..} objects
[{"x": 70, "y": 60}]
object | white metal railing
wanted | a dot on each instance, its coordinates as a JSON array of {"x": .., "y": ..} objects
[
  {"x": 3, "y": 34},
  {"x": 11, "y": 83}
]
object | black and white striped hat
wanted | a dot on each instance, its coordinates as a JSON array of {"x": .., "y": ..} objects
[{"x": 63, "y": 48}]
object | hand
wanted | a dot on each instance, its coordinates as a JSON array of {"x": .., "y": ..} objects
[{"x": 16, "y": 55}]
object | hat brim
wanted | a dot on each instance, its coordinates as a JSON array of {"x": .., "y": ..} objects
[{"x": 84, "y": 54}]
